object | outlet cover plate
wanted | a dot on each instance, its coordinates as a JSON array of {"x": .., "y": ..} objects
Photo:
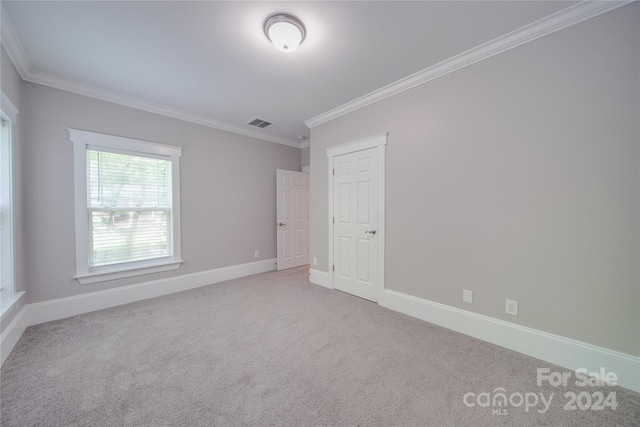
[
  {"x": 467, "y": 296},
  {"x": 511, "y": 307}
]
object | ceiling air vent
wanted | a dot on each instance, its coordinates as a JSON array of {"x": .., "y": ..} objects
[{"x": 259, "y": 123}]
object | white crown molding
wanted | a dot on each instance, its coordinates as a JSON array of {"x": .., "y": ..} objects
[
  {"x": 305, "y": 144},
  {"x": 11, "y": 44},
  {"x": 139, "y": 104},
  {"x": 555, "y": 22},
  {"x": 565, "y": 18},
  {"x": 14, "y": 49}
]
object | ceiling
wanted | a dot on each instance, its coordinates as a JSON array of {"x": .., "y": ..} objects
[{"x": 211, "y": 60}]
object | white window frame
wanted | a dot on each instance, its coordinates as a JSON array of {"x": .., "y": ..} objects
[
  {"x": 82, "y": 140},
  {"x": 9, "y": 296}
]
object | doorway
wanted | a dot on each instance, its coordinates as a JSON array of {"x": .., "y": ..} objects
[
  {"x": 356, "y": 216},
  {"x": 292, "y": 219}
]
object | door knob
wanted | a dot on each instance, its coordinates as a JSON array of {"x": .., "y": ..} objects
[
  {"x": 281, "y": 224},
  {"x": 371, "y": 231}
]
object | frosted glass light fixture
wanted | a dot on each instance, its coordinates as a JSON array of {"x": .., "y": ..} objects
[{"x": 286, "y": 32}]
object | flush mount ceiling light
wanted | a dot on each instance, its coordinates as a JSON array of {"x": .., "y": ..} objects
[{"x": 286, "y": 32}]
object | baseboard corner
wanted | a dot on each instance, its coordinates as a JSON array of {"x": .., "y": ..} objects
[
  {"x": 322, "y": 278},
  {"x": 12, "y": 333}
]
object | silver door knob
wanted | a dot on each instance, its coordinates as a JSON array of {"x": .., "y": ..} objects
[
  {"x": 281, "y": 224},
  {"x": 371, "y": 231}
]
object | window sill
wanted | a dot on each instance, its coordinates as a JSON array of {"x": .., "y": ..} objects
[
  {"x": 8, "y": 303},
  {"x": 103, "y": 276}
]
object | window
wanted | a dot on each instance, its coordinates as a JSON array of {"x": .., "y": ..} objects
[
  {"x": 8, "y": 295},
  {"x": 127, "y": 206}
]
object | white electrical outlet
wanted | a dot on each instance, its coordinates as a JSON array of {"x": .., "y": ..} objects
[
  {"x": 467, "y": 296},
  {"x": 315, "y": 260},
  {"x": 256, "y": 254},
  {"x": 511, "y": 307}
]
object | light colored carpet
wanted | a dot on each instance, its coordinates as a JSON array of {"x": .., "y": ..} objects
[{"x": 270, "y": 349}]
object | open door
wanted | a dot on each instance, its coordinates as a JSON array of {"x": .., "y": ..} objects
[{"x": 292, "y": 219}]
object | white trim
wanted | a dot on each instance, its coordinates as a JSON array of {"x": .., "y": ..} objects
[
  {"x": 16, "y": 53},
  {"x": 8, "y": 303},
  {"x": 305, "y": 144},
  {"x": 378, "y": 141},
  {"x": 565, "y": 352},
  {"x": 82, "y": 140},
  {"x": 151, "y": 107},
  {"x": 8, "y": 108},
  {"x": 9, "y": 112},
  {"x": 176, "y": 223},
  {"x": 66, "y": 307},
  {"x": 121, "y": 143},
  {"x": 20, "y": 60},
  {"x": 306, "y": 169},
  {"x": 358, "y": 145},
  {"x": 11, "y": 43},
  {"x": 565, "y": 18},
  {"x": 571, "y": 354},
  {"x": 103, "y": 276},
  {"x": 548, "y": 25},
  {"x": 330, "y": 266},
  {"x": 47, "y": 311},
  {"x": 80, "y": 207},
  {"x": 382, "y": 236},
  {"x": 11, "y": 334},
  {"x": 321, "y": 278}
]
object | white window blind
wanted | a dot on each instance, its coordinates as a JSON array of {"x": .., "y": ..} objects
[{"x": 129, "y": 201}]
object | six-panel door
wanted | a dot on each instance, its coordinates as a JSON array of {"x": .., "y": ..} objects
[
  {"x": 292, "y": 219},
  {"x": 355, "y": 193}
]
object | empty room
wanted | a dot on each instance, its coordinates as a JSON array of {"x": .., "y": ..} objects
[{"x": 420, "y": 213}]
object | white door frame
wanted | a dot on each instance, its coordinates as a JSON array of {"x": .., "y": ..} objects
[
  {"x": 376, "y": 141},
  {"x": 280, "y": 173}
]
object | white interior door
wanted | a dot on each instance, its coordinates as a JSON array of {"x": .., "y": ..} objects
[
  {"x": 292, "y": 219},
  {"x": 355, "y": 222}
]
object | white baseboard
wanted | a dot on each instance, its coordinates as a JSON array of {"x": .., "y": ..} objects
[
  {"x": 12, "y": 334},
  {"x": 561, "y": 351},
  {"x": 565, "y": 352},
  {"x": 47, "y": 311},
  {"x": 321, "y": 278}
]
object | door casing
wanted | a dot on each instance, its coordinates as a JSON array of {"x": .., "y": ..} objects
[
  {"x": 376, "y": 141},
  {"x": 297, "y": 181}
]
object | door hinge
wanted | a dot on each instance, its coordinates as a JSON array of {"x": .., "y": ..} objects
[
  {"x": 334, "y": 219},
  {"x": 334, "y": 171},
  {"x": 334, "y": 268}
]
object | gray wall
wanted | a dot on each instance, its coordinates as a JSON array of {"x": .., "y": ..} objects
[
  {"x": 227, "y": 188},
  {"x": 10, "y": 83},
  {"x": 305, "y": 156},
  {"x": 516, "y": 177}
]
